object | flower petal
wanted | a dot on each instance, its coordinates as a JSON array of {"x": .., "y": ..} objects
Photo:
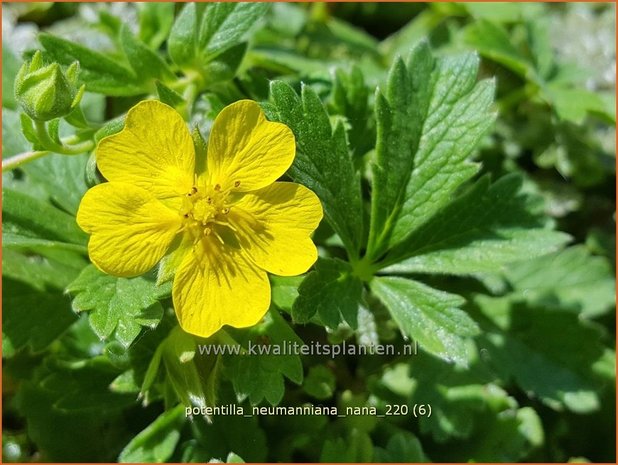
[
  {"x": 216, "y": 285},
  {"x": 130, "y": 229},
  {"x": 274, "y": 225},
  {"x": 245, "y": 147},
  {"x": 154, "y": 151}
]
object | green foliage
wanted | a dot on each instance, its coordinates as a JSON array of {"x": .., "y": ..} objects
[
  {"x": 571, "y": 279},
  {"x": 30, "y": 222},
  {"x": 21, "y": 329},
  {"x": 117, "y": 305},
  {"x": 157, "y": 442},
  {"x": 331, "y": 284},
  {"x": 554, "y": 367},
  {"x": 203, "y": 33},
  {"x": 262, "y": 377},
  {"x": 485, "y": 229},
  {"x": 428, "y": 316},
  {"x": 99, "y": 72},
  {"x": 422, "y": 156},
  {"x": 322, "y": 150},
  {"x": 464, "y": 156}
]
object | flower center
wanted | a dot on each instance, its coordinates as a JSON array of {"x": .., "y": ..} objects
[{"x": 205, "y": 211}]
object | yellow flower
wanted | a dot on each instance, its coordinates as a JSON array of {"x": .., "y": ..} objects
[{"x": 221, "y": 228}]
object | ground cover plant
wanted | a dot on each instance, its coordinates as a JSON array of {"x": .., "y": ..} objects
[{"x": 421, "y": 196}]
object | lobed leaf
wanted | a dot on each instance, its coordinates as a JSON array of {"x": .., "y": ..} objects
[
  {"x": 429, "y": 316},
  {"x": 203, "y": 32},
  {"x": 483, "y": 230},
  {"x": 120, "y": 304},
  {"x": 432, "y": 117},
  {"x": 322, "y": 162},
  {"x": 332, "y": 292},
  {"x": 261, "y": 376},
  {"x": 552, "y": 365},
  {"x": 570, "y": 279}
]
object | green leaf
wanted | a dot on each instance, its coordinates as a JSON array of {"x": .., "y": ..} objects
[
  {"x": 182, "y": 41},
  {"x": 259, "y": 375},
  {"x": 332, "y": 291},
  {"x": 146, "y": 63},
  {"x": 155, "y": 22},
  {"x": 214, "y": 440},
  {"x": 322, "y": 162},
  {"x": 350, "y": 98},
  {"x": 191, "y": 374},
  {"x": 419, "y": 28},
  {"x": 486, "y": 228},
  {"x": 202, "y": 32},
  {"x": 539, "y": 37},
  {"x": 99, "y": 72},
  {"x": 320, "y": 382},
  {"x": 168, "y": 96},
  {"x": 427, "y": 128},
  {"x": 462, "y": 399},
  {"x": 44, "y": 269},
  {"x": 508, "y": 437},
  {"x": 113, "y": 126},
  {"x": 574, "y": 104},
  {"x": 572, "y": 279},
  {"x": 120, "y": 304},
  {"x": 60, "y": 434},
  {"x": 10, "y": 67},
  {"x": 284, "y": 290},
  {"x": 357, "y": 447},
  {"x": 501, "y": 12},
  {"x": 31, "y": 222},
  {"x": 14, "y": 141},
  {"x": 429, "y": 316},
  {"x": 400, "y": 114},
  {"x": 542, "y": 351},
  {"x": 157, "y": 442},
  {"x": 33, "y": 317},
  {"x": 403, "y": 447},
  {"x": 62, "y": 177},
  {"x": 225, "y": 65},
  {"x": 492, "y": 41},
  {"x": 226, "y": 24}
]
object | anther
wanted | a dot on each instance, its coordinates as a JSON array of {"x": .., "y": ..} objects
[
  {"x": 209, "y": 200},
  {"x": 186, "y": 215},
  {"x": 237, "y": 184},
  {"x": 207, "y": 231},
  {"x": 225, "y": 210},
  {"x": 217, "y": 187},
  {"x": 194, "y": 190}
]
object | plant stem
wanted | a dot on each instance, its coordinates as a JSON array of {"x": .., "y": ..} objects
[
  {"x": 18, "y": 160},
  {"x": 63, "y": 148},
  {"x": 25, "y": 157}
]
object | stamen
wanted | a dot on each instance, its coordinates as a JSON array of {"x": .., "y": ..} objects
[
  {"x": 219, "y": 237},
  {"x": 225, "y": 210},
  {"x": 217, "y": 187},
  {"x": 237, "y": 184},
  {"x": 207, "y": 231},
  {"x": 227, "y": 224},
  {"x": 209, "y": 200}
]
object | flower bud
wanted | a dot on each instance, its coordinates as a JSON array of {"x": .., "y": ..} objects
[{"x": 45, "y": 92}]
